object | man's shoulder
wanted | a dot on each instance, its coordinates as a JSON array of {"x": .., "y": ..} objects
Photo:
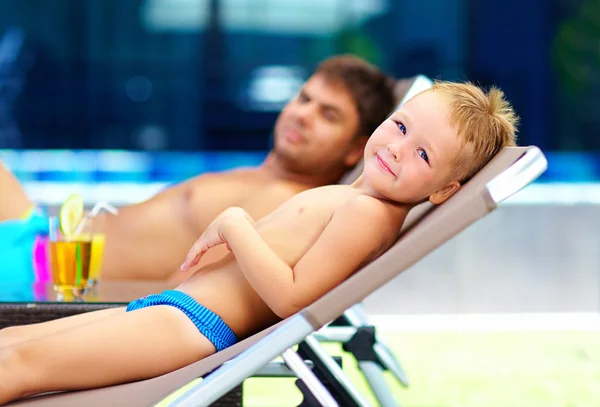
[
  {"x": 243, "y": 186},
  {"x": 234, "y": 182}
]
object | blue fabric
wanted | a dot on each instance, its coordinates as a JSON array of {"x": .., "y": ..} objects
[
  {"x": 208, "y": 323},
  {"x": 17, "y": 239}
]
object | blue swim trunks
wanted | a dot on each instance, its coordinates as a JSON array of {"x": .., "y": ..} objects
[
  {"x": 208, "y": 323},
  {"x": 18, "y": 238}
]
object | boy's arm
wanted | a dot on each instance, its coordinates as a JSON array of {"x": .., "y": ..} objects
[
  {"x": 355, "y": 232},
  {"x": 257, "y": 206}
]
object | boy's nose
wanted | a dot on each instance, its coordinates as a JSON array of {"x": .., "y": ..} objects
[{"x": 396, "y": 149}]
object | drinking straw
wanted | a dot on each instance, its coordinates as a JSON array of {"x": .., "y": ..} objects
[
  {"x": 95, "y": 210},
  {"x": 103, "y": 205},
  {"x": 52, "y": 223}
]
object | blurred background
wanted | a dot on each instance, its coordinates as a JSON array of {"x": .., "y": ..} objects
[
  {"x": 113, "y": 91},
  {"x": 117, "y": 99},
  {"x": 211, "y": 75}
]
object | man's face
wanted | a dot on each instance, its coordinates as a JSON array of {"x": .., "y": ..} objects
[
  {"x": 410, "y": 155},
  {"x": 316, "y": 131}
]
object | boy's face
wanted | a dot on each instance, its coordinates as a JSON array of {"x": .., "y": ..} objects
[
  {"x": 316, "y": 131},
  {"x": 409, "y": 157}
]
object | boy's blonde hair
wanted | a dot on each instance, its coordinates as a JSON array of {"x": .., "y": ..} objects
[{"x": 485, "y": 122}]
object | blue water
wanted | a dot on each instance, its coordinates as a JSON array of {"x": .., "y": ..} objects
[{"x": 120, "y": 166}]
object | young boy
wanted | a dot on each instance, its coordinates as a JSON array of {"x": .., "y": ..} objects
[{"x": 276, "y": 266}]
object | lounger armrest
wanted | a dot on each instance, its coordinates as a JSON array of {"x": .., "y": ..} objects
[{"x": 524, "y": 171}]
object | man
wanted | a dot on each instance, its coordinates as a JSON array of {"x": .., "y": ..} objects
[{"x": 319, "y": 135}]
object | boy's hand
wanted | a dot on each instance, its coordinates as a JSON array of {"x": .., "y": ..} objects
[{"x": 213, "y": 236}]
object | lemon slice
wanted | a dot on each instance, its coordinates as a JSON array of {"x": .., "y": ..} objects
[{"x": 71, "y": 214}]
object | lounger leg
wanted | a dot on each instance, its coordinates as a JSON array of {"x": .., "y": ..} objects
[
  {"x": 357, "y": 317},
  {"x": 387, "y": 359},
  {"x": 381, "y": 352},
  {"x": 361, "y": 340},
  {"x": 368, "y": 354},
  {"x": 374, "y": 375},
  {"x": 325, "y": 365},
  {"x": 297, "y": 365}
]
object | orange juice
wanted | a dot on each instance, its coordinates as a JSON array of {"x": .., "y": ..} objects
[{"x": 70, "y": 263}]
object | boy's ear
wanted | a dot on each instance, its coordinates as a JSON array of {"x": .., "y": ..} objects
[
  {"x": 356, "y": 151},
  {"x": 443, "y": 194}
]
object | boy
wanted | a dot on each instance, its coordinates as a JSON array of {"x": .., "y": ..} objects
[{"x": 276, "y": 266}]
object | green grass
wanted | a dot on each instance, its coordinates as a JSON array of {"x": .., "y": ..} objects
[{"x": 469, "y": 369}]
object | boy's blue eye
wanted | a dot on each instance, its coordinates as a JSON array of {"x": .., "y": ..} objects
[
  {"x": 402, "y": 128},
  {"x": 423, "y": 155}
]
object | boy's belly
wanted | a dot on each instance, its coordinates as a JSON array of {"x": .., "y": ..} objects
[{"x": 225, "y": 291}]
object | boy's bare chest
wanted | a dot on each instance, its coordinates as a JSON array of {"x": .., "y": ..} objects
[{"x": 294, "y": 228}]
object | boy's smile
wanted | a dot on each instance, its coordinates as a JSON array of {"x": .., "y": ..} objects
[{"x": 383, "y": 165}]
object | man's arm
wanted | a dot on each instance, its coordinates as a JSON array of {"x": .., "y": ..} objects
[{"x": 352, "y": 236}]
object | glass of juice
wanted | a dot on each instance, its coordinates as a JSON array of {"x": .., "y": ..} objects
[{"x": 70, "y": 257}]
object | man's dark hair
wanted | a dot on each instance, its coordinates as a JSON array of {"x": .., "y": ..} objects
[{"x": 371, "y": 89}]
